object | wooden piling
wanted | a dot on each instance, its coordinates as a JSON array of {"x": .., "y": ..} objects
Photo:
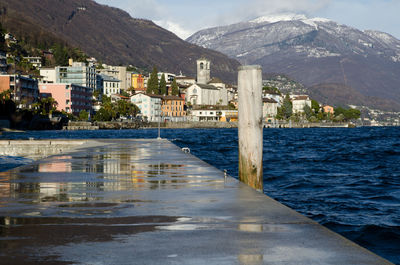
[{"x": 250, "y": 126}]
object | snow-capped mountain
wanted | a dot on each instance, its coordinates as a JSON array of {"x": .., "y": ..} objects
[{"x": 314, "y": 51}]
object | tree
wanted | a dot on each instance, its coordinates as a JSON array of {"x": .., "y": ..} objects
[
  {"x": 125, "y": 108},
  {"x": 60, "y": 55},
  {"x": 272, "y": 89},
  {"x": 352, "y": 114},
  {"x": 2, "y": 41},
  {"x": 286, "y": 110},
  {"x": 125, "y": 94},
  {"x": 83, "y": 115},
  {"x": 315, "y": 106},
  {"x": 102, "y": 115},
  {"x": 152, "y": 83},
  {"x": 7, "y": 106},
  {"x": 45, "y": 106},
  {"x": 163, "y": 86},
  {"x": 175, "y": 88},
  {"x": 308, "y": 112},
  {"x": 339, "y": 110}
]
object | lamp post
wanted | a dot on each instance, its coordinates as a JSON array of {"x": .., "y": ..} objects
[{"x": 159, "y": 121}]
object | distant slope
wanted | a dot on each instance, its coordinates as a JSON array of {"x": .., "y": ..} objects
[
  {"x": 110, "y": 35},
  {"x": 315, "y": 51}
]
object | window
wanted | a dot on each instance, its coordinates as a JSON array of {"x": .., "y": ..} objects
[{"x": 201, "y": 66}]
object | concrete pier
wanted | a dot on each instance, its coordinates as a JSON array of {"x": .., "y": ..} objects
[{"x": 147, "y": 202}]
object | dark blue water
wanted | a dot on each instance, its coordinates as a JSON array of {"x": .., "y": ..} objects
[{"x": 345, "y": 179}]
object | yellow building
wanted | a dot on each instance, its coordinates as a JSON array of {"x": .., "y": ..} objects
[{"x": 138, "y": 82}]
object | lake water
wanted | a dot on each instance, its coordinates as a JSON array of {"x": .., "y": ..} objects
[{"x": 345, "y": 179}]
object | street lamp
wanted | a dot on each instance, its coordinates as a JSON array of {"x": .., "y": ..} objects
[{"x": 159, "y": 121}]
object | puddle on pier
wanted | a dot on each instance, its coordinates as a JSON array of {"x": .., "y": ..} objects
[
  {"x": 24, "y": 240},
  {"x": 95, "y": 181}
]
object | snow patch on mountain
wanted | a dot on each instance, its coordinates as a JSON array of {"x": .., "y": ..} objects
[{"x": 278, "y": 18}]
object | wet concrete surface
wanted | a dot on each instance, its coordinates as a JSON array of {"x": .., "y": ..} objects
[{"x": 147, "y": 202}]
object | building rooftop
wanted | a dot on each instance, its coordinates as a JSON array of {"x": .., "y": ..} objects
[
  {"x": 204, "y": 86},
  {"x": 269, "y": 100},
  {"x": 301, "y": 98},
  {"x": 215, "y": 80},
  {"x": 172, "y": 98},
  {"x": 109, "y": 78},
  {"x": 184, "y": 77}
]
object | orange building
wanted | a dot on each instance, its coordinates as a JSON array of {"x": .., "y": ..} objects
[
  {"x": 173, "y": 106},
  {"x": 138, "y": 82},
  {"x": 328, "y": 109}
]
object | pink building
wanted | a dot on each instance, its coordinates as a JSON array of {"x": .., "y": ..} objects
[{"x": 70, "y": 97}]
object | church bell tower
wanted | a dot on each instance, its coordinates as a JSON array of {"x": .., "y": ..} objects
[{"x": 203, "y": 71}]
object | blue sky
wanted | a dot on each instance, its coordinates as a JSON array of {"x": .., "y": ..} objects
[{"x": 186, "y": 17}]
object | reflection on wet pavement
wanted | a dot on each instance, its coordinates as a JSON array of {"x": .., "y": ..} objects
[
  {"x": 91, "y": 196},
  {"x": 146, "y": 202}
]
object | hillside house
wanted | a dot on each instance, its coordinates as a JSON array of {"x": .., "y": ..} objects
[{"x": 299, "y": 102}]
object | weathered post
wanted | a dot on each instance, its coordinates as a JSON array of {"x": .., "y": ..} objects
[{"x": 250, "y": 126}]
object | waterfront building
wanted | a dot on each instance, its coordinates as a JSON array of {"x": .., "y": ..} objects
[
  {"x": 270, "y": 109},
  {"x": 299, "y": 102},
  {"x": 328, "y": 109},
  {"x": 24, "y": 89},
  {"x": 77, "y": 73},
  {"x": 204, "y": 94},
  {"x": 172, "y": 108},
  {"x": 71, "y": 98},
  {"x": 110, "y": 85},
  {"x": 149, "y": 105},
  {"x": 269, "y": 94},
  {"x": 213, "y": 115},
  {"x": 118, "y": 72}
]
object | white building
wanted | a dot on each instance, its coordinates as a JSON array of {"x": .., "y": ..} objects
[
  {"x": 118, "y": 72},
  {"x": 299, "y": 102},
  {"x": 185, "y": 80},
  {"x": 149, "y": 105},
  {"x": 270, "y": 108},
  {"x": 48, "y": 75},
  {"x": 77, "y": 73},
  {"x": 168, "y": 77},
  {"x": 203, "y": 71},
  {"x": 273, "y": 95},
  {"x": 111, "y": 85},
  {"x": 213, "y": 115},
  {"x": 202, "y": 94},
  {"x": 35, "y": 61}
]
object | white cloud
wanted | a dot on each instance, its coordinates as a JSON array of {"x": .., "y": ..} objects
[{"x": 175, "y": 28}]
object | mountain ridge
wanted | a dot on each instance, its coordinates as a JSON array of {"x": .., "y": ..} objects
[
  {"x": 111, "y": 35},
  {"x": 313, "y": 52}
]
